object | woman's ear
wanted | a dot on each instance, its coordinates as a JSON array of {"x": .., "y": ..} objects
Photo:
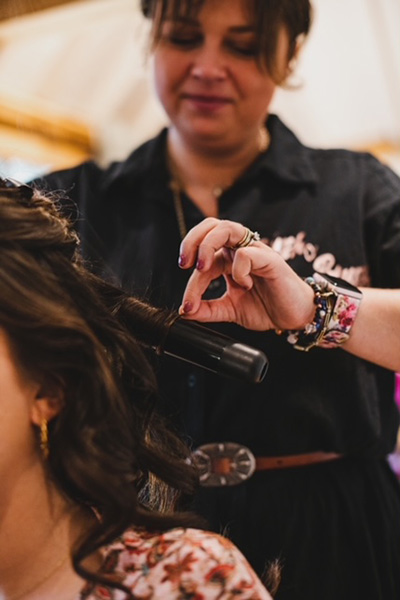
[
  {"x": 48, "y": 402},
  {"x": 300, "y": 41},
  {"x": 289, "y": 81},
  {"x": 286, "y": 56}
]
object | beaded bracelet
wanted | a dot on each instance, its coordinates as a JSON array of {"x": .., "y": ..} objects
[{"x": 311, "y": 335}]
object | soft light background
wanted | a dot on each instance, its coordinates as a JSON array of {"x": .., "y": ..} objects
[{"x": 75, "y": 81}]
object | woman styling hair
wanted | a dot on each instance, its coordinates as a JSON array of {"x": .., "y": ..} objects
[
  {"x": 318, "y": 494},
  {"x": 89, "y": 477}
]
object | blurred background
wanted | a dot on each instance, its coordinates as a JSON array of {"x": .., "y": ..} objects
[{"x": 75, "y": 82}]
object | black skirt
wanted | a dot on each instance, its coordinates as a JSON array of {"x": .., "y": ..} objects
[{"x": 334, "y": 528}]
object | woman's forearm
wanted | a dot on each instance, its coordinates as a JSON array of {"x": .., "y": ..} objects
[{"x": 375, "y": 335}]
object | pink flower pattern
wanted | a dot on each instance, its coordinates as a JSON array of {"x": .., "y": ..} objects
[{"x": 341, "y": 322}]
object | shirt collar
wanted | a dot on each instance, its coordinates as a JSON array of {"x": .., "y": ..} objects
[
  {"x": 286, "y": 159},
  {"x": 149, "y": 163}
]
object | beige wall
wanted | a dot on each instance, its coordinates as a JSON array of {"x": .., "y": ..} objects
[
  {"x": 12, "y": 8},
  {"x": 87, "y": 62}
]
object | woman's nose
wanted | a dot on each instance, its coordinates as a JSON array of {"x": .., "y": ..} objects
[{"x": 208, "y": 65}]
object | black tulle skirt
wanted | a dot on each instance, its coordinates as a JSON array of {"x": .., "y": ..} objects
[{"x": 333, "y": 527}]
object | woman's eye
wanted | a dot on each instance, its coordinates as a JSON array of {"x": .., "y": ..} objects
[
  {"x": 247, "y": 51},
  {"x": 184, "y": 40},
  {"x": 181, "y": 36}
]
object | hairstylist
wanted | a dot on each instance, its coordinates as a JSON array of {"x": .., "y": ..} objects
[{"x": 322, "y": 498}]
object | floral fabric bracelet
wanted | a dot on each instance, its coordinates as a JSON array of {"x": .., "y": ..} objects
[{"x": 348, "y": 300}]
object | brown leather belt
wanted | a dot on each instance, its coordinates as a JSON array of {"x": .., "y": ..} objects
[
  {"x": 224, "y": 464},
  {"x": 294, "y": 460}
]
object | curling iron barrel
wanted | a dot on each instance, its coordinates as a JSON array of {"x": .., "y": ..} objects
[{"x": 214, "y": 351}]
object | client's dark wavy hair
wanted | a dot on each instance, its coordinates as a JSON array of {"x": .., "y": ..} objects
[
  {"x": 108, "y": 450},
  {"x": 267, "y": 15}
]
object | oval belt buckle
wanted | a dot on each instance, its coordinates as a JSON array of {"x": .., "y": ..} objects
[{"x": 223, "y": 464}]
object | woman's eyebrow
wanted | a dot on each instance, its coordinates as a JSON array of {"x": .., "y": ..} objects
[
  {"x": 193, "y": 22},
  {"x": 183, "y": 21},
  {"x": 242, "y": 29}
]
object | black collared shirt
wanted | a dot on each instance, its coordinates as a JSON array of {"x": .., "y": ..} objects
[{"x": 329, "y": 210}]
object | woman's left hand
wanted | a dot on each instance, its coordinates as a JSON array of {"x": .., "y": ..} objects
[{"x": 262, "y": 291}]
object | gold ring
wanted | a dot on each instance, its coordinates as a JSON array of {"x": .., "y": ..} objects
[{"x": 248, "y": 238}]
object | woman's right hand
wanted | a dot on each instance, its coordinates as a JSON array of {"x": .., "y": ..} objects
[{"x": 262, "y": 291}]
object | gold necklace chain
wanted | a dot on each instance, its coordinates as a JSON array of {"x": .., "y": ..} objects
[
  {"x": 58, "y": 566},
  {"x": 263, "y": 145},
  {"x": 180, "y": 216}
]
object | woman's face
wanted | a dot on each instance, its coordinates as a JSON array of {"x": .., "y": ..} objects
[
  {"x": 17, "y": 440},
  {"x": 207, "y": 76}
]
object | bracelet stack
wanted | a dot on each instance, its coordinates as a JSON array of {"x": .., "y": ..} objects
[
  {"x": 337, "y": 305},
  {"x": 311, "y": 335}
]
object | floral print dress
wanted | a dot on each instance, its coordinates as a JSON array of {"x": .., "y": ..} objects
[{"x": 181, "y": 564}]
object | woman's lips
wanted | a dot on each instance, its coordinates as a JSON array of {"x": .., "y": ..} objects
[{"x": 207, "y": 103}]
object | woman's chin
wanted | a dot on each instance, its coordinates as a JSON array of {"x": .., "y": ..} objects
[{"x": 212, "y": 138}]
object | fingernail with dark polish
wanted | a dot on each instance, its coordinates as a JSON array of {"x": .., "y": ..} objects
[
  {"x": 182, "y": 260},
  {"x": 187, "y": 307},
  {"x": 200, "y": 264}
]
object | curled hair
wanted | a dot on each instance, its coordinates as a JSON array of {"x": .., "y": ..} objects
[
  {"x": 268, "y": 17},
  {"x": 109, "y": 452}
]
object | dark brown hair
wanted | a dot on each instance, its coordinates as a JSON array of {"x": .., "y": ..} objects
[
  {"x": 108, "y": 450},
  {"x": 268, "y": 17}
]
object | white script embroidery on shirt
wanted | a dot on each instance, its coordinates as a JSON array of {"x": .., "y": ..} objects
[{"x": 291, "y": 246}]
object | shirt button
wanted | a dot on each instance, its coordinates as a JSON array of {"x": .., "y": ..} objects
[{"x": 192, "y": 380}]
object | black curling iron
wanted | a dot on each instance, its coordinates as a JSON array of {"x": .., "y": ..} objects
[{"x": 167, "y": 333}]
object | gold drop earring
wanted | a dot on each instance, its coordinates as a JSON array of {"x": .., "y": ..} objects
[{"x": 44, "y": 438}]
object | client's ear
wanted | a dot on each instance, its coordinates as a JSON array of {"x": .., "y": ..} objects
[{"x": 48, "y": 402}]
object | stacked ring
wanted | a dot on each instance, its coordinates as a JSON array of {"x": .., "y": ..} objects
[{"x": 248, "y": 238}]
